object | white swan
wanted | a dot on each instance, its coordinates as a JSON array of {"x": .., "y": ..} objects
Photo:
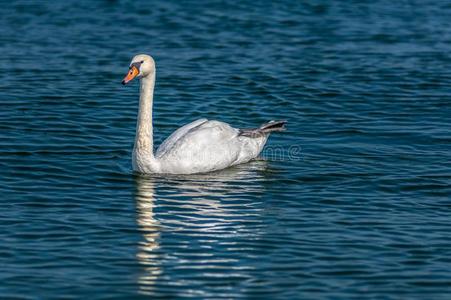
[{"x": 198, "y": 147}]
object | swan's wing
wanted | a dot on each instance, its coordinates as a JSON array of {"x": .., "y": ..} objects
[
  {"x": 212, "y": 145},
  {"x": 209, "y": 132},
  {"x": 210, "y": 137},
  {"x": 176, "y": 135}
]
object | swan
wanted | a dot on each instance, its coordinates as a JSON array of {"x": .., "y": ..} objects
[{"x": 198, "y": 147}]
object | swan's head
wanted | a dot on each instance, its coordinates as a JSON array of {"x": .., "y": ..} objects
[{"x": 141, "y": 65}]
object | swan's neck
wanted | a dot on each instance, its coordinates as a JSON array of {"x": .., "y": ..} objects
[{"x": 144, "y": 127}]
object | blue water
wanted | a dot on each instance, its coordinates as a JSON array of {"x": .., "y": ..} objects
[{"x": 351, "y": 202}]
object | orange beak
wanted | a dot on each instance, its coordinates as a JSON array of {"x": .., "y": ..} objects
[{"x": 130, "y": 75}]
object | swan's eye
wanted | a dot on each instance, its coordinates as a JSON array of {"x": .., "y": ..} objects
[{"x": 142, "y": 61}]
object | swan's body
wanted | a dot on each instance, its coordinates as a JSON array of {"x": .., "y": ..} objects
[{"x": 198, "y": 147}]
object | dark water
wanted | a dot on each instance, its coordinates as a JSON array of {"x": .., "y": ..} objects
[{"x": 362, "y": 211}]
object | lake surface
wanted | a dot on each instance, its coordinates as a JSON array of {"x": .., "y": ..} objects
[{"x": 351, "y": 202}]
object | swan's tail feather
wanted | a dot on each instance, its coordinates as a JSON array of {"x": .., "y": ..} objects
[{"x": 266, "y": 128}]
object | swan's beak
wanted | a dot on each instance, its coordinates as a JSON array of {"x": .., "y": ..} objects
[{"x": 130, "y": 75}]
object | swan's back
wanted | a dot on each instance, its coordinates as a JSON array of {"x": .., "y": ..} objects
[
  {"x": 208, "y": 146},
  {"x": 176, "y": 135}
]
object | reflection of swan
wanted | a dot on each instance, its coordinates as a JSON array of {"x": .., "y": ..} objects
[
  {"x": 149, "y": 226},
  {"x": 201, "y": 208},
  {"x": 198, "y": 147}
]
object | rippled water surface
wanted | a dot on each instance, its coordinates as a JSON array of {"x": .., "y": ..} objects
[{"x": 360, "y": 209}]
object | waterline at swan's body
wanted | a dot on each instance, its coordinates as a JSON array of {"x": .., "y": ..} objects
[{"x": 198, "y": 147}]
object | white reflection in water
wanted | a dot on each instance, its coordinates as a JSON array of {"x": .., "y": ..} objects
[
  {"x": 210, "y": 203},
  {"x": 149, "y": 226}
]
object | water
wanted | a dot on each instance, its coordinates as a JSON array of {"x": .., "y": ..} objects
[{"x": 361, "y": 211}]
